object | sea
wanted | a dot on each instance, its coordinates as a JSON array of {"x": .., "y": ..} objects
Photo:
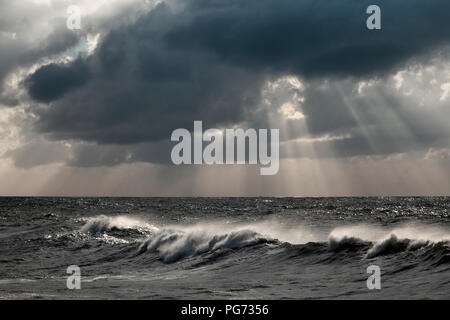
[{"x": 225, "y": 248}]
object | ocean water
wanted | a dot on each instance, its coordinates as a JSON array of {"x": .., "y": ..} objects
[{"x": 225, "y": 248}]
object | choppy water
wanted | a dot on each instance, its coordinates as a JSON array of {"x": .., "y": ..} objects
[{"x": 228, "y": 248}]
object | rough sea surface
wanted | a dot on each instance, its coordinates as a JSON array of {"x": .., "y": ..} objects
[{"x": 225, "y": 248}]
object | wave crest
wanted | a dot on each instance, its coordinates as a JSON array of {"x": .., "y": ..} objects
[
  {"x": 338, "y": 244},
  {"x": 173, "y": 245}
]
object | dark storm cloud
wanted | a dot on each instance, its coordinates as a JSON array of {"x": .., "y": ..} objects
[
  {"x": 37, "y": 152},
  {"x": 311, "y": 37},
  {"x": 140, "y": 91},
  {"x": 22, "y": 53},
  {"x": 207, "y": 60},
  {"x": 93, "y": 155},
  {"x": 51, "y": 81}
]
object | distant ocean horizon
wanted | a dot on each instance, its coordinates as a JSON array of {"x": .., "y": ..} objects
[{"x": 225, "y": 247}]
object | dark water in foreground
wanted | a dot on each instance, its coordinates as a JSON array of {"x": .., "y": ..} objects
[{"x": 227, "y": 248}]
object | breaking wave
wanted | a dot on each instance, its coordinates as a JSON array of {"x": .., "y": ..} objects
[
  {"x": 173, "y": 243},
  {"x": 384, "y": 242},
  {"x": 393, "y": 244},
  {"x": 104, "y": 223}
]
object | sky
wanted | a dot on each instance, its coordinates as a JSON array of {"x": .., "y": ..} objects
[{"x": 90, "y": 111}]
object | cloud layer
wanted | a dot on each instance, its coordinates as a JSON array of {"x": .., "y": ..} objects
[{"x": 310, "y": 68}]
